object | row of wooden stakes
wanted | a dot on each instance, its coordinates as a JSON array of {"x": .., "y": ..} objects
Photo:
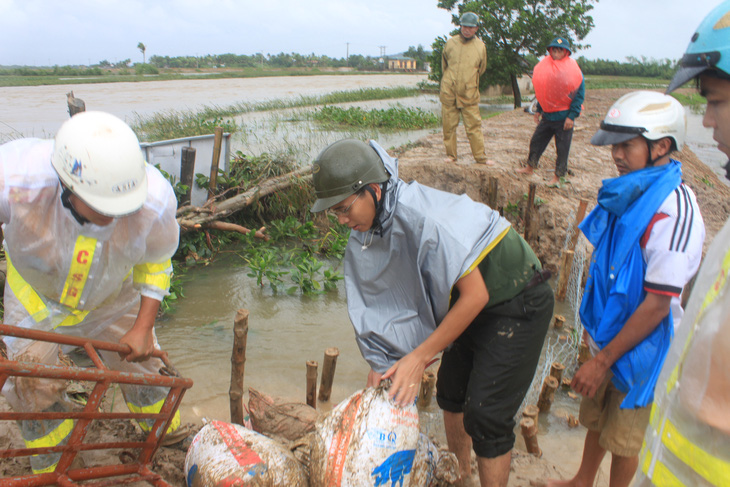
[{"x": 528, "y": 423}]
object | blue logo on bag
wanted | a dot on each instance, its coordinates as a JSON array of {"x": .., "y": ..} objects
[{"x": 394, "y": 468}]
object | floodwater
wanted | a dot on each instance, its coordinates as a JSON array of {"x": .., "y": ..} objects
[{"x": 284, "y": 331}]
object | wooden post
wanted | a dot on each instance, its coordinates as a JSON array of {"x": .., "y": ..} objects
[
  {"x": 531, "y": 411},
  {"x": 217, "y": 144},
  {"x": 566, "y": 382},
  {"x": 328, "y": 373},
  {"x": 187, "y": 171},
  {"x": 75, "y": 105},
  {"x": 528, "y": 210},
  {"x": 556, "y": 370},
  {"x": 584, "y": 353},
  {"x": 426, "y": 392},
  {"x": 493, "y": 192},
  {"x": 312, "y": 383},
  {"x": 238, "y": 361},
  {"x": 529, "y": 433},
  {"x": 578, "y": 218},
  {"x": 558, "y": 321},
  {"x": 547, "y": 395},
  {"x": 566, "y": 265}
]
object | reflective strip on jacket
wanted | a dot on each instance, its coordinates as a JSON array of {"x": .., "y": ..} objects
[
  {"x": 687, "y": 442},
  {"x": 70, "y": 269}
]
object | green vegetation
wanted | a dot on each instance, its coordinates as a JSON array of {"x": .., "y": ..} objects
[
  {"x": 628, "y": 82},
  {"x": 694, "y": 99},
  {"x": 397, "y": 118},
  {"x": 644, "y": 67},
  {"x": 301, "y": 255},
  {"x": 174, "y": 124}
]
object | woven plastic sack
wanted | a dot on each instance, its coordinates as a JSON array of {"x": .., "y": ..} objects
[
  {"x": 366, "y": 440},
  {"x": 225, "y": 454}
]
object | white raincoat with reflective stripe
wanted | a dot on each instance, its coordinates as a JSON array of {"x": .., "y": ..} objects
[
  {"x": 399, "y": 284},
  {"x": 687, "y": 442},
  {"x": 82, "y": 280},
  {"x": 63, "y": 272}
]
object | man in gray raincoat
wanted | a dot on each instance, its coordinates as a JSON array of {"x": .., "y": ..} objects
[{"x": 428, "y": 271}]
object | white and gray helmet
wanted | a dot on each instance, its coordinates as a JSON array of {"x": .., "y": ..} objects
[{"x": 649, "y": 114}]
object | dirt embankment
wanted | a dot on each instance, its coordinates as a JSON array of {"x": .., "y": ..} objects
[{"x": 507, "y": 139}]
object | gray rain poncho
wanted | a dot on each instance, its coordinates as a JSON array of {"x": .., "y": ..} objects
[{"x": 399, "y": 283}]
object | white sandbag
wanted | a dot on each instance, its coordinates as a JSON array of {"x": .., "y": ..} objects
[
  {"x": 224, "y": 454},
  {"x": 432, "y": 465},
  {"x": 366, "y": 440}
]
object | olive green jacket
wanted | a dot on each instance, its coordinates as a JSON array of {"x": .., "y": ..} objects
[{"x": 462, "y": 63}]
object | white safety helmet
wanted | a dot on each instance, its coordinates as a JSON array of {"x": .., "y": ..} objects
[
  {"x": 647, "y": 113},
  {"x": 98, "y": 158}
]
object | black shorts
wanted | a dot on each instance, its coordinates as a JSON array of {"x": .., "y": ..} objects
[{"x": 489, "y": 368}]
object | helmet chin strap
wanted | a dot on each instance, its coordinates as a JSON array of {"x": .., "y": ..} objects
[
  {"x": 649, "y": 161},
  {"x": 66, "y": 201},
  {"x": 377, "y": 225}
]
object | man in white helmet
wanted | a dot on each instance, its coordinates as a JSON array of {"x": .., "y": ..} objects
[
  {"x": 463, "y": 61},
  {"x": 688, "y": 438},
  {"x": 89, "y": 232},
  {"x": 647, "y": 234}
]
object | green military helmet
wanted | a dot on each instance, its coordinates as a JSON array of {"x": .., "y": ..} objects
[
  {"x": 342, "y": 169},
  {"x": 469, "y": 19}
]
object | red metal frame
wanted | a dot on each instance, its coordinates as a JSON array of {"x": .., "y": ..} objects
[{"x": 63, "y": 476}]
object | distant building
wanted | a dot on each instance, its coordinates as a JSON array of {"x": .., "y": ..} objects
[{"x": 401, "y": 63}]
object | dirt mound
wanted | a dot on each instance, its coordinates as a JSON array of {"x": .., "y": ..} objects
[{"x": 507, "y": 138}]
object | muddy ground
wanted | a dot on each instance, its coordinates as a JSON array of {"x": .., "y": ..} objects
[{"x": 507, "y": 137}]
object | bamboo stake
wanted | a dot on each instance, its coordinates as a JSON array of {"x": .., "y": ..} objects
[
  {"x": 558, "y": 321},
  {"x": 556, "y": 370},
  {"x": 584, "y": 353},
  {"x": 312, "y": 383},
  {"x": 529, "y": 433},
  {"x": 578, "y": 219},
  {"x": 328, "y": 373},
  {"x": 238, "y": 362},
  {"x": 217, "y": 143},
  {"x": 187, "y": 171},
  {"x": 528, "y": 210},
  {"x": 547, "y": 395},
  {"x": 531, "y": 411},
  {"x": 426, "y": 391},
  {"x": 566, "y": 265},
  {"x": 493, "y": 192}
]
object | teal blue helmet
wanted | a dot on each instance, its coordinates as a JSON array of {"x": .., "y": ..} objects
[
  {"x": 708, "y": 50},
  {"x": 561, "y": 42}
]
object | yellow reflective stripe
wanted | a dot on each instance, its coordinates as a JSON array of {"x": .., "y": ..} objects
[
  {"x": 33, "y": 303},
  {"x": 484, "y": 253},
  {"x": 53, "y": 438},
  {"x": 50, "y": 469},
  {"x": 719, "y": 282},
  {"x": 78, "y": 272},
  {"x": 661, "y": 476},
  {"x": 713, "y": 469},
  {"x": 72, "y": 319},
  {"x": 154, "y": 409},
  {"x": 27, "y": 296},
  {"x": 155, "y": 275},
  {"x": 711, "y": 296}
]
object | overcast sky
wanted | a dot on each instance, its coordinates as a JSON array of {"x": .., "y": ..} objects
[{"x": 62, "y": 32}]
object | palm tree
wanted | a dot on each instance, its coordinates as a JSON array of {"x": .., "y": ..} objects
[{"x": 142, "y": 48}]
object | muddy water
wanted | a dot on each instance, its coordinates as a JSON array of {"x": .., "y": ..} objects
[{"x": 38, "y": 111}]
